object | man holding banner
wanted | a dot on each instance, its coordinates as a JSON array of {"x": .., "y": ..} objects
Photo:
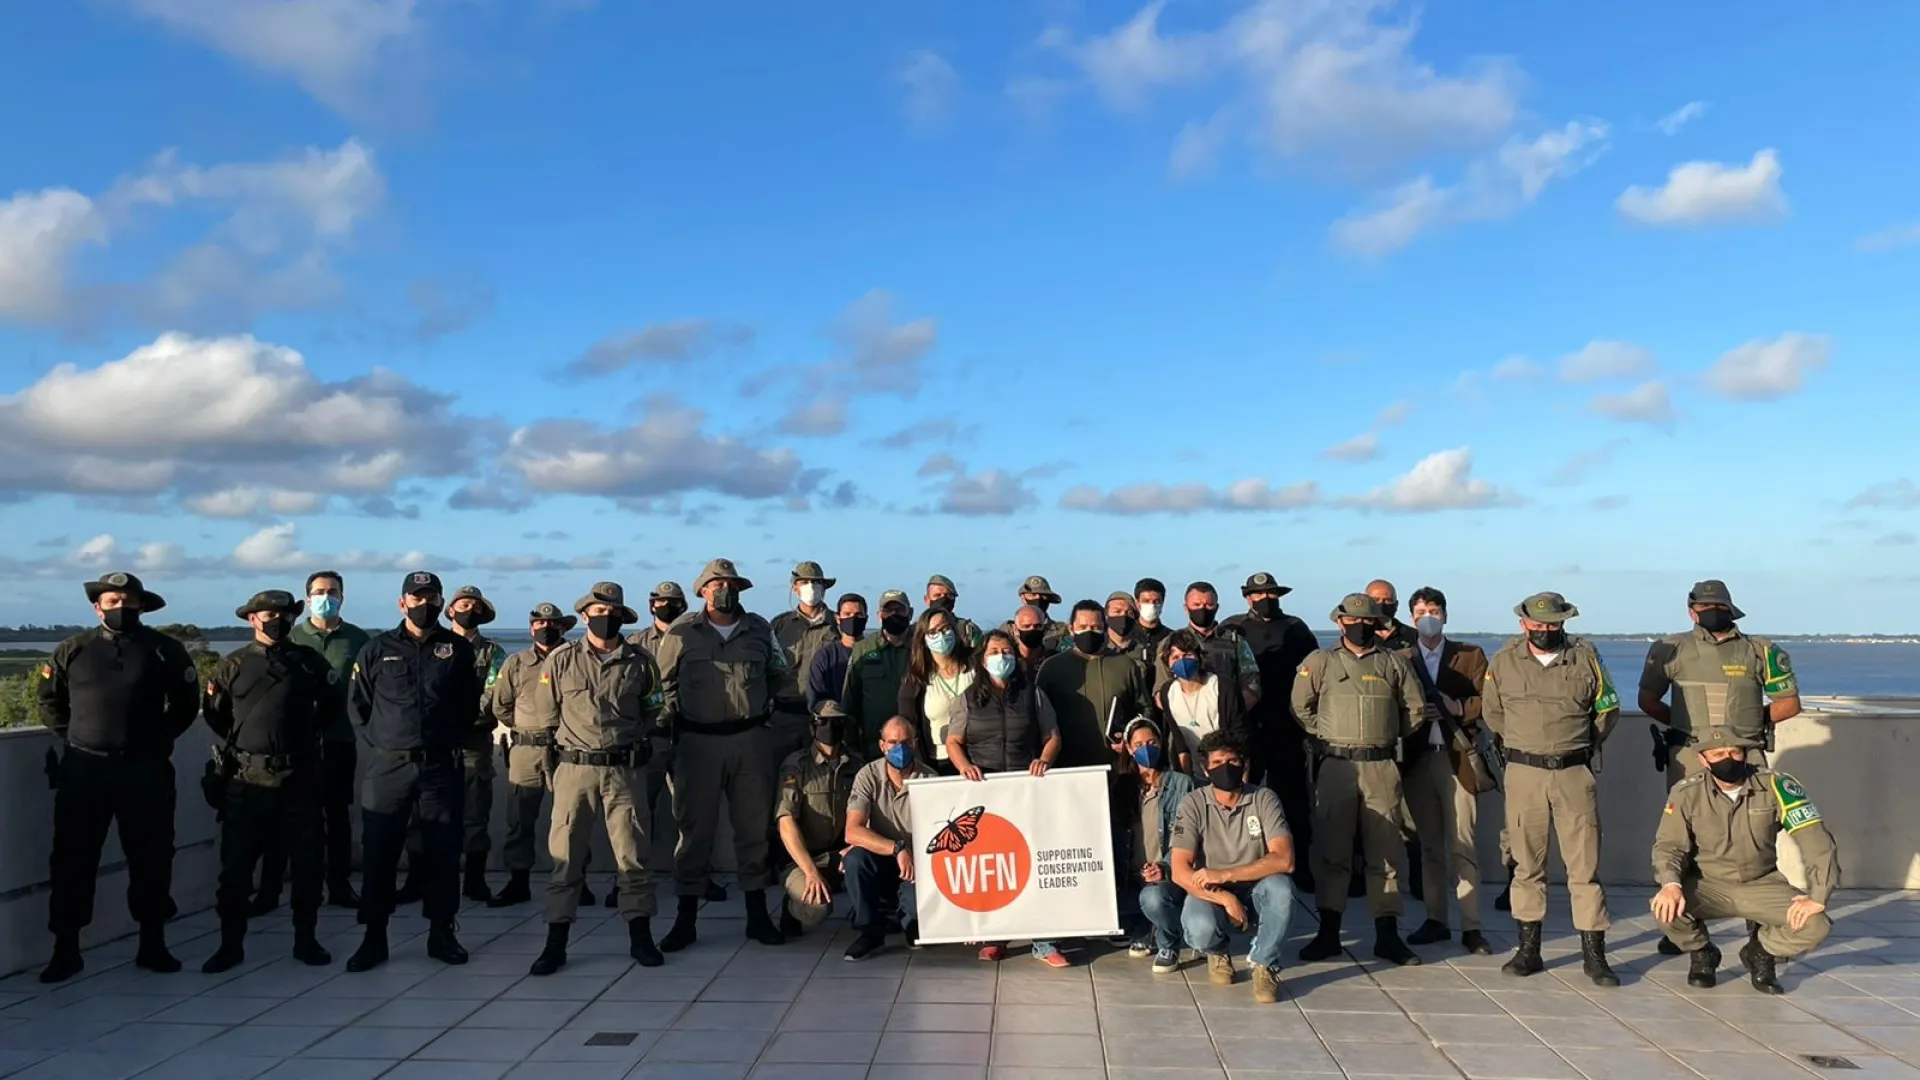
[{"x": 880, "y": 857}]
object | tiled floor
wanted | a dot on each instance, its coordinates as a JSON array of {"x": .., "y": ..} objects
[{"x": 727, "y": 1010}]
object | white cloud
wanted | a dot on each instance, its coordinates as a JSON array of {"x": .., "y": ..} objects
[
  {"x": 1769, "y": 370},
  {"x": 989, "y": 493},
  {"x": 1128, "y": 63},
  {"x": 821, "y": 416},
  {"x": 1440, "y": 481},
  {"x": 1671, "y": 123},
  {"x": 941, "y": 464},
  {"x": 1358, "y": 449},
  {"x": 245, "y": 501},
  {"x": 1199, "y": 143},
  {"x": 1899, "y": 494},
  {"x": 1515, "y": 369},
  {"x": 1395, "y": 414},
  {"x": 666, "y": 452},
  {"x": 276, "y": 549},
  {"x": 1708, "y": 192},
  {"x": 1575, "y": 469},
  {"x": 1648, "y": 403},
  {"x": 673, "y": 341},
  {"x": 1895, "y": 236},
  {"x": 1035, "y": 99},
  {"x": 882, "y": 354},
  {"x": 931, "y": 84},
  {"x": 1134, "y": 500},
  {"x": 41, "y": 232},
  {"x": 95, "y": 553},
  {"x": 1603, "y": 359}
]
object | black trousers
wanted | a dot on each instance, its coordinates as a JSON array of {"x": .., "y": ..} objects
[
  {"x": 259, "y": 818},
  {"x": 394, "y": 793},
  {"x": 96, "y": 792},
  {"x": 1280, "y": 751},
  {"x": 337, "y": 762},
  {"x": 476, "y": 829}
]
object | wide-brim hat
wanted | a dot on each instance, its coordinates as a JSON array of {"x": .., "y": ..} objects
[
  {"x": 1264, "y": 582},
  {"x": 811, "y": 571},
  {"x": 1714, "y": 592},
  {"x": 279, "y": 600},
  {"x": 668, "y": 590},
  {"x": 1358, "y": 606},
  {"x": 128, "y": 583},
  {"x": 1546, "y": 607},
  {"x": 472, "y": 592},
  {"x": 553, "y": 614},
  {"x": 1038, "y": 586},
  {"x": 611, "y": 594},
  {"x": 721, "y": 570}
]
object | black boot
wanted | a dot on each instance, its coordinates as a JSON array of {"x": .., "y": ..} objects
[
  {"x": 153, "y": 954},
  {"x": 1668, "y": 948},
  {"x": 760, "y": 926},
  {"x": 1326, "y": 943},
  {"x": 372, "y": 951},
  {"x": 1593, "y": 958},
  {"x": 640, "y": 944},
  {"x": 1526, "y": 959},
  {"x": 518, "y": 890},
  {"x": 412, "y": 888},
  {"x": 682, "y": 933},
  {"x": 264, "y": 902},
  {"x": 66, "y": 961},
  {"x": 1702, "y": 971},
  {"x": 475, "y": 886},
  {"x": 554, "y": 956},
  {"x": 716, "y": 893},
  {"x": 1388, "y": 946},
  {"x": 1430, "y": 932},
  {"x": 341, "y": 895},
  {"x": 1473, "y": 941},
  {"x": 789, "y": 925},
  {"x": 307, "y": 948},
  {"x": 1504, "y": 902},
  {"x": 1762, "y": 967},
  {"x": 443, "y": 946},
  {"x": 232, "y": 951}
]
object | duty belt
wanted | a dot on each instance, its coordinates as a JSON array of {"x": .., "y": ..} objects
[
  {"x": 1555, "y": 762},
  {"x": 124, "y": 754},
  {"x": 721, "y": 727},
  {"x": 276, "y": 762},
  {"x": 1359, "y": 753},
  {"x": 530, "y": 738},
  {"x": 617, "y": 758},
  {"x": 422, "y": 755}
]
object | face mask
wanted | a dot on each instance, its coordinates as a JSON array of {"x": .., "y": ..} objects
[
  {"x": 826, "y": 732},
  {"x": 603, "y": 627},
  {"x": 423, "y": 616},
  {"x": 1034, "y": 638},
  {"x": 1150, "y": 614},
  {"x": 940, "y": 642},
  {"x": 1121, "y": 625},
  {"x": 1389, "y": 608},
  {"x": 1731, "y": 770},
  {"x": 1227, "y": 776},
  {"x": 899, "y": 755},
  {"x": 1716, "y": 620},
  {"x": 944, "y": 603},
  {"x": 1548, "y": 640},
  {"x": 855, "y": 627},
  {"x": 1088, "y": 641},
  {"x": 323, "y": 607},
  {"x": 810, "y": 594},
  {"x": 276, "y": 629},
  {"x": 726, "y": 600},
  {"x": 1359, "y": 633},
  {"x": 1187, "y": 667},
  {"x": 669, "y": 611},
  {"x": 466, "y": 620},
  {"x": 121, "y": 620},
  {"x": 1268, "y": 608},
  {"x": 1429, "y": 626},
  {"x": 1148, "y": 756},
  {"x": 547, "y": 637},
  {"x": 1043, "y": 605},
  {"x": 1001, "y": 665},
  {"x": 1202, "y": 617},
  {"x": 895, "y": 623}
]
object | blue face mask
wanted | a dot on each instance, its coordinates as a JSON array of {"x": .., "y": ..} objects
[
  {"x": 1001, "y": 665},
  {"x": 324, "y": 606},
  {"x": 1148, "y": 756},
  {"x": 1186, "y": 667},
  {"x": 940, "y": 642},
  {"x": 900, "y": 755}
]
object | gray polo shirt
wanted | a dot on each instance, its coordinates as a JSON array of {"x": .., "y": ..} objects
[
  {"x": 886, "y": 805},
  {"x": 1221, "y": 837}
]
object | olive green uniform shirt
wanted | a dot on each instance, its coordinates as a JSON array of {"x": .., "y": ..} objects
[
  {"x": 815, "y": 789},
  {"x": 709, "y": 680},
  {"x": 605, "y": 701},
  {"x": 1560, "y": 707},
  {"x": 1719, "y": 683},
  {"x": 799, "y": 637},
  {"x": 519, "y": 700},
  {"x": 1704, "y": 834},
  {"x": 338, "y": 647},
  {"x": 1369, "y": 700}
]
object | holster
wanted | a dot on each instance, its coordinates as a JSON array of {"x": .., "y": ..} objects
[{"x": 215, "y": 779}]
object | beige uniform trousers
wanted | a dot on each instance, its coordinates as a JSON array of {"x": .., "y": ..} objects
[
  {"x": 1560, "y": 802},
  {"x": 1764, "y": 901},
  {"x": 583, "y": 795},
  {"x": 1444, "y": 816},
  {"x": 526, "y": 790},
  {"x": 809, "y": 914},
  {"x": 1358, "y": 798},
  {"x": 705, "y": 767}
]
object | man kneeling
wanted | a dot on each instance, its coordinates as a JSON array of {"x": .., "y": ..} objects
[
  {"x": 879, "y": 862},
  {"x": 1716, "y": 856},
  {"x": 1231, "y": 853}
]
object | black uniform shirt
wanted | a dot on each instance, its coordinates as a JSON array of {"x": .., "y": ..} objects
[
  {"x": 135, "y": 692},
  {"x": 272, "y": 699},
  {"x": 412, "y": 693}
]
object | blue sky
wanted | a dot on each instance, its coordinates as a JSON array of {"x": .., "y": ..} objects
[{"x": 1491, "y": 296}]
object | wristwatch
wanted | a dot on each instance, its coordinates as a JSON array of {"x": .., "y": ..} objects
[{"x": 899, "y": 846}]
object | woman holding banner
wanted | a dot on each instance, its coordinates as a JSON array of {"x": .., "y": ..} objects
[{"x": 933, "y": 693}]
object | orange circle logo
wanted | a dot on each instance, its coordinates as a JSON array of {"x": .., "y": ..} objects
[{"x": 980, "y": 862}]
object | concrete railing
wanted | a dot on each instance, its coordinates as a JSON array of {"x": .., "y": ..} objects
[{"x": 1856, "y": 760}]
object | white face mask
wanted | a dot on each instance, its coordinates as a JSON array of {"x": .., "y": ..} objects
[
  {"x": 1149, "y": 613},
  {"x": 1429, "y": 626},
  {"x": 811, "y": 593}
]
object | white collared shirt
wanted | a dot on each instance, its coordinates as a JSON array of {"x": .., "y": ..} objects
[{"x": 1432, "y": 659}]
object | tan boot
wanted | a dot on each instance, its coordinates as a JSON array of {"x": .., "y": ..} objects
[
  {"x": 1220, "y": 969},
  {"x": 1266, "y": 985}
]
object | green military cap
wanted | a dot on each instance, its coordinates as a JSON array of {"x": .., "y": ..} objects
[
  {"x": 277, "y": 600},
  {"x": 895, "y": 596},
  {"x": 1715, "y": 736},
  {"x": 810, "y": 571},
  {"x": 944, "y": 582},
  {"x": 1037, "y": 586},
  {"x": 552, "y": 613},
  {"x": 721, "y": 570},
  {"x": 610, "y": 593},
  {"x": 829, "y": 710},
  {"x": 1546, "y": 607},
  {"x": 1121, "y": 594},
  {"x": 1264, "y": 582},
  {"x": 473, "y": 593},
  {"x": 667, "y": 590},
  {"x": 123, "y": 583},
  {"x": 1359, "y": 606},
  {"x": 1711, "y": 592}
]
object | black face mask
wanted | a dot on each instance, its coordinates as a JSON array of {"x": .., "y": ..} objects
[
  {"x": 1389, "y": 608},
  {"x": 1088, "y": 641},
  {"x": 1228, "y": 776},
  {"x": 1360, "y": 633},
  {"x": 1716, "y": 620},
  {"x": 1202, "y": 617},
  {"x": 276, "y": 629},
  {"x": 669, "y": 611},
  {"x": 855, "y": 627},
  {"x": 944, "y": 603},
  {"x": 1032, "y": 639},
  {"x": 547, "y": 637},
  {"x": 1548, "y": 640},
  {"x": 604, "y": 627},
  {"x": 1268, "y": 608},
  {"x": 466, "y": 620},
  {"x": 424, "y": 616},
  {"x": 725, "y": 600},
  {"x": 1043, "y": 605},
  {"x": 1731, "y": 770},
  {"x": 895, "y": 623},
  {"x": 1121, "y": 625},
  {"x": 826, "y": 732},
  {"x": 121, "y": 620}
]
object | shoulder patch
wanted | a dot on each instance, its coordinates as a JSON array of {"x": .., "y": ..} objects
[
  {"x": 211, "y": 688},
  {"x": 192, "y": 674},
  {"x": 443, "y": 651},
  {"x": 1605, "y": 698},
  {"x": 333, "y": 677},
  {"x": 1796, "y": 810},
  {"x": 46, "y": 671}
]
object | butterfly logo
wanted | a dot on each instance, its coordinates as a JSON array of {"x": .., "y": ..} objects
[{"x": 958, "y": 833}]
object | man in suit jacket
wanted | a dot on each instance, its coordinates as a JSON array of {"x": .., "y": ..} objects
[{"x": 1444, "y": 774}]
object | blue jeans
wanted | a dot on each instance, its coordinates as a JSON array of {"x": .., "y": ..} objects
[
  {"x": 1269, "y": 904},
  {"x": 1160, "y": 902},
  {"x": 874, "y": 886}
]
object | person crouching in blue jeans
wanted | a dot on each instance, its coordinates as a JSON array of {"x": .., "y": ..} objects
[
  {"x": 1232, "y": 854},
  {"x": 1147, "y": 795}
]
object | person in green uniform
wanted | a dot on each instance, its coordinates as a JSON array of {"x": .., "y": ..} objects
[
  {"x": 523, "y": 706},
  {"x": 1718, "y": 677},
  {"x": 801, "y": 631},
  {"x": 876, "y": 667},
  {"x": 1094, "y": 689},
  {"x": 338, "y": 642},
  {"x": 811, "y": 814}
]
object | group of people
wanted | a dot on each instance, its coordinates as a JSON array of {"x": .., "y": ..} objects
[{"x": 1248, "y": 763}]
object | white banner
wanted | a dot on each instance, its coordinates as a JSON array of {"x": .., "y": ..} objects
[{"x": 1013, "y": 856}]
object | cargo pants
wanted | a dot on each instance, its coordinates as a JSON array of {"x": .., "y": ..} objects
[
  {"x": 586, "y": 795},
  {"x": 1357, "y": 798},
  {"x": 705, "y": 768},
  {"x": 1560, "y": 802}
]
